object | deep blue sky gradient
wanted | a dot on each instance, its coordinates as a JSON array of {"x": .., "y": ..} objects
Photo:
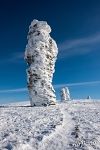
[{"x": 75, "y": 27}]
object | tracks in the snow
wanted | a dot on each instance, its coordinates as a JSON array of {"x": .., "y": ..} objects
[
  {"x": 80, "y": 129},
  {"x": 70, "y": 126},
  {"x": 85, "y": 134}
]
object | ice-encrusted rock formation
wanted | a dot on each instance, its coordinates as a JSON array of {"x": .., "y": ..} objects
[
  {"x": 88, "y": 97},
  {"x": 65, "y": 94},
  {"x": 40, "y": 54}
]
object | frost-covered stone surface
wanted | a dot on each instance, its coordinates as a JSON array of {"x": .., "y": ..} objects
[
  {"x": 40, "y": 54},
  {"x": 73, "y": 125},
  {"x": 65, "y": 94}
]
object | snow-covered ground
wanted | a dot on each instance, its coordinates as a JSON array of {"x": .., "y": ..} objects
[{"x": 73, "y": 125}]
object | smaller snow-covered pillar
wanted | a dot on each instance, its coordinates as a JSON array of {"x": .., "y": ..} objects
[{"x": 65, "y": 94}]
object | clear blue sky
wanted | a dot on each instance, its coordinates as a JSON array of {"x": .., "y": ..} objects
[{"x": 75, "y": 27}]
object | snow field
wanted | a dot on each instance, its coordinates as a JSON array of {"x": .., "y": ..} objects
[{"x": 74, "y": 125}]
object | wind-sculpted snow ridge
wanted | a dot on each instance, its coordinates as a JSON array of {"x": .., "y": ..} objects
[
  {"x": 40, "y": 55},
  {"x": 66, "y": 126}
]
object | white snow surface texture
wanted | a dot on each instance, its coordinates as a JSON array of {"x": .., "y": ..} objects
[
  {"x": 66, "y": 126},
  {"x": 40, "y": 54}
]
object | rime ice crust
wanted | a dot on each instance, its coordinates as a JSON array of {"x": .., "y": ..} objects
[
  {"x": 65, "y": 94},
  {"x": 40, "y": 54}
]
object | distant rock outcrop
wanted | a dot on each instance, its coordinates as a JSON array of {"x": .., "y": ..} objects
[
  {"x": 65, "y": 94},
  {"x": 40, "y": 54},
  {"x": 88, "y": 97}
]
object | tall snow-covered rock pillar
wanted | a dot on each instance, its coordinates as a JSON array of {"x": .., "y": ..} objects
[{"x": 40, "y": 54}]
